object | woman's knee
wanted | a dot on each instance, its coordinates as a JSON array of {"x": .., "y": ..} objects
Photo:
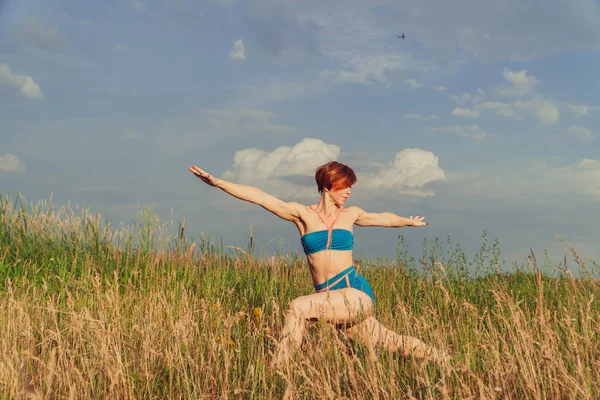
[
  {"x": 342, "y": 305},
  {"x": 308, "y": 307},
  {"x": 369, "y": 329},
  {"x": 362, "y": 305},
  {"x": 298, "y": 307}
]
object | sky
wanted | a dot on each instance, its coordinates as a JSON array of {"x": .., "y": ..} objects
[{"x": 486, "y": 117}]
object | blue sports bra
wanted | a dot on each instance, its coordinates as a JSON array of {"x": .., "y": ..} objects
[{"x": 341, "y": 239}]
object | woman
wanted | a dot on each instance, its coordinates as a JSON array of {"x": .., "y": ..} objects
[{"x": 342, "y": 297}]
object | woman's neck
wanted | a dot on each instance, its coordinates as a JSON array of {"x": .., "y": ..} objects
[{"x": 327, "y": 207}]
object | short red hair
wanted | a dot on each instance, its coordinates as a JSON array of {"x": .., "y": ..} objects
[{"x": 334, "y": 176}]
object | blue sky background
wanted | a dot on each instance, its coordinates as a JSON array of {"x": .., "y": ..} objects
[{"x": 485, "y": 118}]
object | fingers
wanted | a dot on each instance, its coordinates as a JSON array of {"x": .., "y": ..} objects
[
  {"x": 199, "y": 172},
  {"x": 418, "y": 220},
  {"x": 204, "y": 176}
]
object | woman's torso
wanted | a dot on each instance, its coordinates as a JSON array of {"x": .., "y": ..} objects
[{"x": 326, "y": 263}]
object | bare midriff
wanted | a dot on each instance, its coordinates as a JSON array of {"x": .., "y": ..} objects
[{"x": 328, "y": 263}]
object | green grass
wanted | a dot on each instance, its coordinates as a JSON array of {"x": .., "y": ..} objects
[{"x": 88, "y": 311}]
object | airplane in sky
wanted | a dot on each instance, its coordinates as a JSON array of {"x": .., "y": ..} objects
[{"x": 403, "y": 36}]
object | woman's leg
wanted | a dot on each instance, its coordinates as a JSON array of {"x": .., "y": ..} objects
[
  {"x": 342, "y": 306},
  {"x": 373, "y": 334}
]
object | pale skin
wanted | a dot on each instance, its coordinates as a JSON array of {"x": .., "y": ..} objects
[{"x": 347, "y": 307}]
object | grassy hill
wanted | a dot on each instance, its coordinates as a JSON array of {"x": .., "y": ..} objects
[{"x": 90, "y": 311}]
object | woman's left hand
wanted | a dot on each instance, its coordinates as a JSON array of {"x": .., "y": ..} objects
[{"x": 418, "y": 220}]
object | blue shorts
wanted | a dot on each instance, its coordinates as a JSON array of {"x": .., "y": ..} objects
[{"x": 345, "y": 279}]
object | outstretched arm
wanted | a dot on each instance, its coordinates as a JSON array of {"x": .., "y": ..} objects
[
  {"x": 285, "y": 210},
  {"x": 387, "y": 219}
]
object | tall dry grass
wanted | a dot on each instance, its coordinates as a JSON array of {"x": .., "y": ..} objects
[{"x": 92, "y": 311}]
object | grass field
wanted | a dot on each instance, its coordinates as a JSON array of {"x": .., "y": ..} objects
[{"x": 90, "y": 311}]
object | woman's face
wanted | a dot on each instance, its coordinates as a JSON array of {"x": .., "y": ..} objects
[{"x": 340, "y": 196}]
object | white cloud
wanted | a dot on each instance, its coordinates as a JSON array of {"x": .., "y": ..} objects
[
  {"x": 582, "y": 177},
  {"x": 276, "y": 170},
  {"x": 519, "y": 84},
  {"x": 465, "y": 112},
  {"x": 11, "y": 163},
  {"x": 357, "y": 42},
  {"x": 31, "y": 32},
  {"x": 499, "y": 108},
  {"x": 439, "y": 88},
  {"x": 461, "y": 98},
  {"x": 238, "y": 53},
  {"x": 582, "y": 133},
  {"x": 20, "y": 84},
  {"x": 413, "y": 83},
  {"x": 420, "y": 117},
  {"x": 288, "y": 172},
  {"x": 582, "y": 110},
  {"x": 410, "y": 171},
  {"x": 540, "y": 183},
  {"x": 543, "y": 110}
]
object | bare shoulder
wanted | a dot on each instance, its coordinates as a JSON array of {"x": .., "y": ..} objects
[
  {"x": 354, "y": 211},
  {"x": 299, "y": 209},
  {"x": 289, "y": 211}
]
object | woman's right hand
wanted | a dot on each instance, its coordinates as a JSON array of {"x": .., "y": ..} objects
[{"x": 204, "y": 176}]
